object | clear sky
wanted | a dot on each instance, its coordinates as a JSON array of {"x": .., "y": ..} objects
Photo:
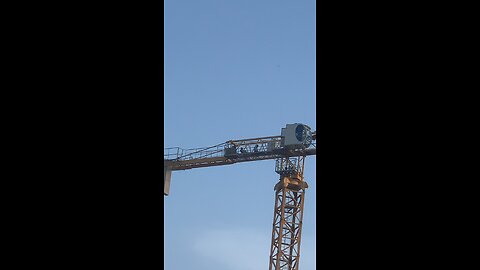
[{"x": 234, "y": 70}]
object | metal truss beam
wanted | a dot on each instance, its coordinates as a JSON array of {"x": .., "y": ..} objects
[{"x": 287, "y": 223}]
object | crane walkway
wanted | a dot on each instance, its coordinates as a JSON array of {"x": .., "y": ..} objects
[{"x": 231, "y": 152}]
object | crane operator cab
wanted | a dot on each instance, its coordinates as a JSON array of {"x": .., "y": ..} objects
[{"x": 296, "y": 136}]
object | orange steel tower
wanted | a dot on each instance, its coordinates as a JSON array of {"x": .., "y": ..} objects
[{"x": 288, "y": 214}]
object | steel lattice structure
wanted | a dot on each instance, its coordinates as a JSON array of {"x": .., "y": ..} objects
[{"x": 288, "y": 214}]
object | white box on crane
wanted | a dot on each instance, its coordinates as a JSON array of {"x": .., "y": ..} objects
[{"x": 296, "y": 136}]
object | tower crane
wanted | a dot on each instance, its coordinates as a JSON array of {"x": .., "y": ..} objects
[{"x": 296, "y": 142}]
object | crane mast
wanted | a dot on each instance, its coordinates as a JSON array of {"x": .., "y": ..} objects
[
  {"x": 289, "y": 150},
  {"x": 288, "y": 214}
]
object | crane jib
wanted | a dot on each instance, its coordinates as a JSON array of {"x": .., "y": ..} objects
[{"x": 175, "y": 165}]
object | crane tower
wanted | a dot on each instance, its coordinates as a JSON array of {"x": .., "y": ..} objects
[{"x": 289, "y": 150}]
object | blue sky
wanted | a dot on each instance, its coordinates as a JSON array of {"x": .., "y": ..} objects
[{"x": 234, "y": 70}]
